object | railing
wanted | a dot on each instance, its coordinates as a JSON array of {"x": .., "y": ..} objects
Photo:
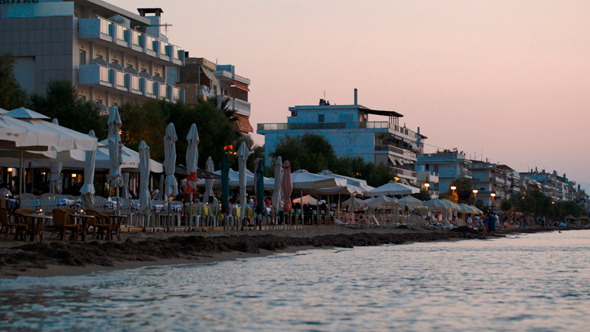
[
  {"x": 240, "y": 106},
  {"x": 337, "y": 125},
  {"x": 96, "y": 74},
  {"x": 404, "y": 172},
  {"x": 204, "y": 90},
  {"x": 104, "y": 29},
  {"x": 395, "y": 149}
]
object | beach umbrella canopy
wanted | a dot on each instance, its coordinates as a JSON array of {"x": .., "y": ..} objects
[
  {"x": 394, "y": 188},
  {"x": 243, "y": 153},
  {"x": 129, "y": 159},
  {"x": 382, "y": 201},
  {"x": 303, "y": 180},
  {"x": 278, "y": 181},
  {"x": 360, "y": 183},
  {"x": 306, "y": 200},
  {"x": 224, "y": 167},
  {"x": 287, "y": 187},
  {"x": 353, "y": 204},
  {"x": 170, "y": 183},
  {"x": 25, "y": 113},
  {"x": 260, "y": 168},
  {"x": 145, "y": 198},
  {"x": 411, "y": 203},
  {"x": 437, "y": 204},
  {"x": 452, "y": 205},
  {"x": 115, "y": 177},
  {"x": 209, "y": 167},
  {"x": 192, "y": 160},
  {"x": 347, "y": 189},
  {"x": 88, "y": 189}
]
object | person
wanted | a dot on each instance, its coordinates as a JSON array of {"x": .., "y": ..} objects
[
  {"x": 486, "y": 223},
  {"x": 493, "y": 219},
  {"x": 469, "y": 221}
]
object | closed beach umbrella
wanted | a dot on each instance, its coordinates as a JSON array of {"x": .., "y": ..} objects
[
  {"x": 145, "y": 198},
  {"x": 88, "y": 189},
  {"x": 209, "y": 167},
  {"x": 170, "y": 184},
  {"x": 243, "y": 154},
  {"x": 224, "y": 167},
  {"x": 260, "y": 187},
  {"x": 287, "y": 186},
  {"x": 278, "y": 173},
  {"x": 192, "y": 160},
  {"x": 56, "y": 184},
  {"x": 115, "y": 177}
]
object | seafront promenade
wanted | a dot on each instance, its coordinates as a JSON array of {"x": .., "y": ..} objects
[{"x": 167, "y": 248}]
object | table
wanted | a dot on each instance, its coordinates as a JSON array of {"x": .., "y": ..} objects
[
  {"x": 39, "y": 221},
  {"x": 82, "y": 219},
  {"x": 113, "y": 225}
]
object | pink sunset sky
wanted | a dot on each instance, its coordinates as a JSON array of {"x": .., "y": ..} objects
[{"x": 509, "y": 79}]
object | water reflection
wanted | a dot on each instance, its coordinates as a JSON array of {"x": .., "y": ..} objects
[{"x": 529, "y": 282}]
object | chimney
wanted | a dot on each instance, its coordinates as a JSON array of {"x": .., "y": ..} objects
[{"x": 355, "y": 97}]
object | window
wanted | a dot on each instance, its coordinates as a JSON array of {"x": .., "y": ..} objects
[
  {"x": 82, "y": 57},
  {"x": 321, "y": 118}
]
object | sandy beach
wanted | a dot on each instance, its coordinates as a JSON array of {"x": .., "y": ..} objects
[{"x": 137, "y": 249}]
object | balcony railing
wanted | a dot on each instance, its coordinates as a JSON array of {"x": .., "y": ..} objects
[
  {"x": 338, "y": 125},
  {"x": 394, "y": 149},
  {"x": 103, "y": 29},
  {"x": 108, "y": 77},
  {"x": 240, "y": 106}
]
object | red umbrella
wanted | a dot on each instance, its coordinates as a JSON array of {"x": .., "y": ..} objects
[{"x": 287, "y": 187}]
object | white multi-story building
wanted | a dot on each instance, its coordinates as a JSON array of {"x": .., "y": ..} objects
[
  {"x": 110, "y": 54},
  {"x": 349, "y": 131},
  {"x": 203, "y": 79}
]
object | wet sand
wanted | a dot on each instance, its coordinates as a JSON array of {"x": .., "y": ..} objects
[{"x": 137, "y": 249}]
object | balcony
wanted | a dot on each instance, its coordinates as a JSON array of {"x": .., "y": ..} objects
[
  {"x": 132, "y": 40},
  {"x": 390, "y": 127},
  {"x": 396, "y": 151},
  {"x": 240, "y": 106},
  {"x": 427, "y": 176},
  {"x": 404, "y": 173},
  {"x": 205, "y": 91},
  {"x": 99, "y": 75}
]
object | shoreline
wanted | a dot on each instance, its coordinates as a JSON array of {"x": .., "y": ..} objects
[{"x": 136, "y": 250}]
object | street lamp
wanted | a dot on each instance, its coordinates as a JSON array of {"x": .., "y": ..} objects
[
  {"x": 453, "y": 188},
  {"x": 426, "y": 185},
  {"x": 493, "y": 195},
  {"x": 475, "y": 191}
]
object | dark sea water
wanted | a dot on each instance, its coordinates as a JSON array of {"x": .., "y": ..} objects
[{"x": 532, "y": 282}]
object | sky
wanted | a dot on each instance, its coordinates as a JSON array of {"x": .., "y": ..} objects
[{"x": 507, "y": 81}]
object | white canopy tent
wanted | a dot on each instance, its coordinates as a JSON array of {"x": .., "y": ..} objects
[{"x": 394, "y": 188}]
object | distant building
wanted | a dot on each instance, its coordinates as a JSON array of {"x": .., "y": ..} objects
[
  {"x": 493, "y": 182},
  {"x": 441, "y": 169},
  {"x": 111, "y": 55},
  {"x": 559, "y": 188},
  {"x": 203, "y": 79},
  {"x": 349, "y": 131}
]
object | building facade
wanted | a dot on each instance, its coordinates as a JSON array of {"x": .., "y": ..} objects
[
  {"x": 203, "y": 79},
  {"x": 111, "y": 55},
  {"x": 441, "y": 169},
  {"x": 349, "y": 131}
]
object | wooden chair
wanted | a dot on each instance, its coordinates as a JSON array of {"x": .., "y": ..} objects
[
  {"x": 7, "y": 226},
  {"x": 63, "y": 222},
  {"x": 107, "y": 225}
]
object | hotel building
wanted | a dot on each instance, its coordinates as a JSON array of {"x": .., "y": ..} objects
[
  {"x": 203, "y": 79},
  {"x": 111, "y": 55},
  {"x": 351, "y": 134}
]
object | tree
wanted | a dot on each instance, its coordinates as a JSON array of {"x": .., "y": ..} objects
[
  {"x": 423, "y": 195},
  {"x": 463, "y": 192},
  {"x": 62, "y": 102},
  {"x": 12, "y": 96},
  {"x": 144, "y": 122},
  {"x": 314, "y": 153}
]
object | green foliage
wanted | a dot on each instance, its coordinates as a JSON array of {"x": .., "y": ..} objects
[
  {"x": 423, "y": 195},
  {"x": 464, "y": 191},
  {"x": 62, "y": 102},
  {"x": 148, "y": 122},
  {"x": 12, "y": 96}
]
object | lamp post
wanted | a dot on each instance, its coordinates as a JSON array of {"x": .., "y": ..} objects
[
  {"x": 493, "y": 195},
  {"x": 475, "y": 191},
  {"x": 453, "y": 188}
]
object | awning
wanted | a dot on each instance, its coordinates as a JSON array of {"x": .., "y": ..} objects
[
  {"x": 393, "y": 160},
  {"x": 243, "y": 123},
  {"x": 208, "y": 73},
  {"x": 240, "y": 85}
]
